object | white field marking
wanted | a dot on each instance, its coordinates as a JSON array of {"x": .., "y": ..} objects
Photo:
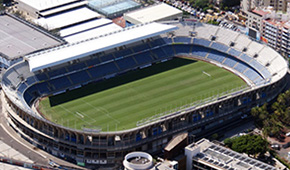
[
  {"x": 74, "y": 114},
  {"x": 82, "y": 116},
  {"x": 206, "y": 73},
  {"x": 102, "y": 110}
]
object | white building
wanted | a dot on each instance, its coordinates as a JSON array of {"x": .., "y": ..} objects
[
  {"x": 207, "y": 155},
  {"x": 159, "y": 12},
  {"x": 42, "y": 8}
]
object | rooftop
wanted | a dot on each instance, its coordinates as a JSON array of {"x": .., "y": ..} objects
[
  {"x": 67, "y": 18},
  {"x": 59, "y": 55},
  {"x": 223, "y": 158},
  {"x": 18, "y": 38},
  {"x": 260, "y": 12},
  {"x": 152, "y": 13},
  {"x": 46, "y": 4}
]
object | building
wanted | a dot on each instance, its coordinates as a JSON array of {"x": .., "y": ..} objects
[
  {"x": 276, "y": 5},
  {"x": 255, "y": 19},
  {"x": 158, "y": 12},
  {"x": 36, "y": 8},
  {"x": 113, "y": 8},
  {"x": 276, "y": 33},
  {"x": 207, "y": 155}
]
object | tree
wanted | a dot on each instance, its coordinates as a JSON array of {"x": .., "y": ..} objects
[{"x": 250, "y": 144}]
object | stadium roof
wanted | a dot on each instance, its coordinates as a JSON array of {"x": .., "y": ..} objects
[
  {"x": 46, "y": 4},
  {"x": 84, "y": 26},
  {"x": 59, "y": 55},
  {"x": 68, "y": 18},
  {"x": 63, "y": 8},
  {"x": 94, "y": 32},
  {"x": 157, "y": 12}
]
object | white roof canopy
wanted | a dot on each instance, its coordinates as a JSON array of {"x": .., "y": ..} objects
[
  {"x": 46, "y": 4},
  {"x": 66, "y": 53},
  {"x": 67, "y": 18}
]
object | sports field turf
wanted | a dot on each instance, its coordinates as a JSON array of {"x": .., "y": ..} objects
[{"x": 118, "y": 103}]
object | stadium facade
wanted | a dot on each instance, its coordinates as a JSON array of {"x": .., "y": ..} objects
[{"x": 73, "y": 66}]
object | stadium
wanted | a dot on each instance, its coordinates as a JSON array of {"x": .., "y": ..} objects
[{"x": 93, "y": 101}]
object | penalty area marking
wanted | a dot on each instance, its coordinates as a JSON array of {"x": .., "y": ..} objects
[
  {"x": 82, "y": 116},
  {"x": 206, "y": 73}
]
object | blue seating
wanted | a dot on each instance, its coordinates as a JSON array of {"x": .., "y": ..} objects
[
  {"x": 167, "y": 40},
  {"x": 141, "y": 47},
  {"x": 76, "y": 66},
  {"x": 126, "y": 63},
  {"x": 27, "y": 97},
  {"x": 246, "y": 58},
  {"x": 93, "y": 61},
  {"x": 217, "y": 56},
  {"x": 57, "y": 72},
  {"x": 103, "y": 70},
  {"x": 259, "y": 80},
  {"x": 182, "y": 40},
  {"x": 22, "y": 87},
  {"x": 41, "y": 76},
  {"x": 107, "y": 57},
  {"x": 230, "y": 62},
  {"x": 159, "y": 53},
  {"x": 61, "y": 83},
  {"x": 256, "y": 65},
  {"x": 202, "y": 42},
  {"x": 43, "y": 88},
  {"x": 122, "y": 53},
  {"x": 199, "y": 51},
  {"x": 251, "y": 74},
  {"x": 240, "y": 67},
  {"x": 79, "y": 77},
  {"x": 265, "y": 73},
  {"x": 30, "y": 80},
  {"x": 219, "y": 47},
  {"x": 168, "y": 50},
  {"x": 181, "y": 48},
  {"x": 157, "y": 42},
  {"x": 143, "y": 58},
  {"x": 234, "y": 52}
]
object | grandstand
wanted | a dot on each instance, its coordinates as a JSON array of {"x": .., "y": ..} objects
[{"x": 100, "y": 60}]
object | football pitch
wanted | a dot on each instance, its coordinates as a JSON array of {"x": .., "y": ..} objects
[{"x": 120, "y": 102}]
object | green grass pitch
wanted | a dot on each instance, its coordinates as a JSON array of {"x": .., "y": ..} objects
[{"x": 118, "y": 103}]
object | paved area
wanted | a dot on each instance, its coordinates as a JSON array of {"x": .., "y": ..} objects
[
  {"x": 9, "y": 152},
  {"x": 239, "y": 129},
  {"x": 4, "y": 166}
]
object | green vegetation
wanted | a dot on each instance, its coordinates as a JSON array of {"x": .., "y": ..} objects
[
  {"x": 118, "y": 103},
  {"x": 273, "y": 124},
  {"x": 213, "y": 22},
  {"x": 1, "y": 5},
  {"x": 250, "y": 144}
]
